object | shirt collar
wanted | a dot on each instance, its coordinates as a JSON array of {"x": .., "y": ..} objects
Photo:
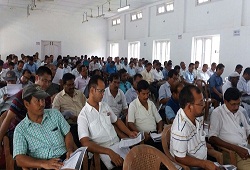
[
  {"x": 109, "y": 93},
  {"x": 28, "y": 122},
  {"x": 90, "y": 108},
  {"x": 184, "y": 116},
  {"x": 64, "y": 93}
]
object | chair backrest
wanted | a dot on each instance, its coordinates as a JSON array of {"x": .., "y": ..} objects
[
  {"x": 147, "y": 158},
  {"x": 202, "y": 85},
  {"x": 165, "y": 140}
]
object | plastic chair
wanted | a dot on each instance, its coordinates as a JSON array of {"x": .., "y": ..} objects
[{"x": 147, "y": 158}]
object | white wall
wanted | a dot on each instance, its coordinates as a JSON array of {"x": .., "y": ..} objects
[
  {"x": 20, "y": 33},
  {"x": 218, "y": 17}
]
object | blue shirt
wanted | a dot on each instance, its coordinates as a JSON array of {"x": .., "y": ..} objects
[
  {"x": 165, "y": 73},
  {"x": 131, "y": 71},
  {"x": 32, "y": 68},
  {"x": 125, "y": 86},
  {"x": 131, "y": 95},
  {"x": 172, "y": 108},
  {"x": 110, "y": 69},
  {"x": 215, "y": 81},
  {"x": 164, "y": 91},
  {"x": 189, "y": 77}
]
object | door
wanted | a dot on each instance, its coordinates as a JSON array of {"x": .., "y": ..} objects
[{"x": 50, "y": 48}]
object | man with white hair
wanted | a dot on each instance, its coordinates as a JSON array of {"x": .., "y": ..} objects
[{"x": 232, "y": 81}]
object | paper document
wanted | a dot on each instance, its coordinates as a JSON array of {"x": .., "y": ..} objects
[
  {"x": 58, "y": 76},
  {"x": 75, "y": 160},
  {"x": 120, "y": 151},
  {"x": 13, "y": 89},
  {"x": 156, "y": 137},
  {"x": 225, "y": 167},
  {"x": 127, "y": 142}
]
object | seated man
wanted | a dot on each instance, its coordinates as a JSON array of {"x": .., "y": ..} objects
[
  {"x": 70, "y": 102},
  {"x": 187, "y": 142},
  {"x": 215, "y": 84},
  {"x": 203, "y": 74},
  {"x": 229, "y": 127},
  {"x": 188, "y": 75},
  {"x": 82, "y": 81},
  {"x": 143, "y": 115},
  {"x": 173, "y": 104},
  {"x": 95, "y": 129},
  {"x": 232, "y": 81},
  {"x": 124, "y": 84},
  {"x": 25, "y": 78},
  {"x": 42, "y": 139},
  {"x": 131, "y": 94}
]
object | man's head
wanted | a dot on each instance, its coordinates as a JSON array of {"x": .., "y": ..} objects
[
  {"x": 196, "y": 64},
  {"x": 43, "y": 77},
  {"x": 34, "y": 99},
  {"x": 137, "y": 77},
  {"x": 10, "y": 77},
  {"x": 65, "y": 62},
  {"x": 84, "y": 71},
  {"x": 232, "y": 99},
  {"x": 158, "y": 66},
  {"x": 213, "y": 66},
  {"x": 114, "y": 81},
  {"x": 97, "y": 72},
  {"x": 204, "y": 68},
  {"x": 191, "y": 67},
  {"x": 238, "y": 68},
  {"x": 143, "y": 91},
  {"x": 220, "y": 69},
  {"x": 68, "y": 80},
  {"x": 1, "y": 65},
  {"x": 11, "y": 65},
  {"x": 172, "y": 77},
  {"x": 234, "y": 78},
  {"x": 191, "y": 101},
  {"x": 176, "y": 89},
  {"x": 96, "y": 88},
  {"x": 246, "y": 73},
  {"x": 31, "y": 60},
  {"x": 20, "y": 65},
  {"x": 183, "y": 65},
  {"x": 123, "y": 75},
  {"x": 148, "y": 67},
  {"x": 78, "y": 65},
  {"x": 112, "y": 64},
  {"x": 52, "y": 67},
  {"x": 25, "y": 76},
  {"x": 177, "y": 68},
  {"x": 9, "y": 58}
]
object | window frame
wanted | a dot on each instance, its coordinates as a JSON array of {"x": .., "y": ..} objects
[
  {"x": 165, "y": 8},
  {"x": 111, "y": 46},
  {"x": 136, "y": 16},
  {"x": 168, "y": 48},
  {"x": 129, "y": 49},
  {"x": 201, "y": 3},
  {"x": 116, "y": 23}
]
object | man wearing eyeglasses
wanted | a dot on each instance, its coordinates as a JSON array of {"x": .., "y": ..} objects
[
  {"x": 187, "y": 142},
  {"x": 95, "y": 124},
  {"x": 229, "y": 128}
]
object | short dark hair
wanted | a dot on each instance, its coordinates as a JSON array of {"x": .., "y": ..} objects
[
  {"x": 113, "y": 76},
  {"x": 142, "y": 85},
  {"x": 232, "y": 93},
  {"x": 68, "y": 76},
  {"x": 1, "y": 62},
  {"x": 94, "y": 72},
  {"x": 247, "y": 71},
  {"x": 11, "y": 64},
  {"x": 137, "y": 75},
  {"x": 26, "y": 70},
  {"x": 43, "y": 70},
  {"x": 177, "y": 67},
  {"x": 191, "y": 64},
  {"x": 20, "y": 61},
  {"x": 93, "y": 82},
  {"x": 122, "y": 71},
  {"x": 220, "y": 66},
  {"x": 82, "y": 66},
  {"x": 174, "y": 88},
  {"x": 197, "y": 62},
  {"x": 148, "y": 64},
  {"x": 238, "y": 66},
  {"x": 213, "y": 64},
  {"x": 171, "y": 73},
  {"x": 186, "y": 96}
]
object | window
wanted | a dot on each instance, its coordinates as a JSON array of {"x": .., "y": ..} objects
[
  {"x": 116, "y": 21},
  {"x": 136, "y": 16},
  {"x": 202, "y": 1},
  {"x": 114, "y": 50},
  {"x": 161, "y": 50},
  {"x": 206, "y": 49},
  {"x": 164, "y": 8},
  {"x": 133, "y": 50}
]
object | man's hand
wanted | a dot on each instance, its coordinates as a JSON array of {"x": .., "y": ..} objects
[
  {"x": 208, "y": 165},
  {"x": 5, "y": 97},
  {"x": 242, "y": 152},
  {"x": 147, "y": 136},
  {"x": 115, "y": 158},
  {"x": 132, "y": 134},
  {"x": 54, "y": 163},
  {"x": 69, "y": 152}
]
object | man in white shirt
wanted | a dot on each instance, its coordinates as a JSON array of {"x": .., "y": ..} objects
[
  {"x": 143, "y": 115},
  {"x": 139, "y": 68},
  {"x": 232, "y": 81},
  {"x": 196, "y": 71},
  {"x": 183, "y": 68},
  {"x": 187, "y": 142},
  {"x": 158, "y": 76},
  {"x": 212, "y": 69},
  {"x": 229, "y": 128},
  {"x": 115, "y": 97},
  {"x": 94, "y": 65},
  {"x": 242, "y": 84},
  {"x": 82, "y": 81},
  {"x": 203, "y": 74},
  {"x": 76, "y": 71},
  {"x": 95, "y": 123},
  {"x": 66, "y": 67},
  {"x": 131, "y": 69}
]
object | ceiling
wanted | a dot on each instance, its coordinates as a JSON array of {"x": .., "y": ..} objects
[{"x": 76, "y": 7}]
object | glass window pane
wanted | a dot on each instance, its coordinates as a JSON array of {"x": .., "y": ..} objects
[{"x": 118, "y": 21}]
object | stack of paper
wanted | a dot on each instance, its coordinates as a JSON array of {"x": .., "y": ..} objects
[
  {"x": 75, "y": 160},
  {"x": 127, "y": 142},
  {"x": 225, "y": 167},
  {"x": 13, "y": 89},
  {"x": 156, "y": 137}
]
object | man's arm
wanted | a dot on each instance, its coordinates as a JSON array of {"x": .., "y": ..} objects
[
  {"x": 70, "y": 144},
  {"x": 194, "y": 162},
  {"x": 124, "y": 128},
  {"x": 25, "y": 161},
  {"x": 243, "y": 153},
  {"x": 132, "y": 126},
  {"x": 216, "y": 92},
  {"x": 93, "y": 147},
  {"x": 160, "y": 126}
]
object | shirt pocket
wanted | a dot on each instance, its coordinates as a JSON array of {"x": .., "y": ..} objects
[
  {"x": 57, "y": 137},
  {"x": 95, "y": 128}
]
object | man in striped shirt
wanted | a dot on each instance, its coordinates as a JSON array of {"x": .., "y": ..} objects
[{"x": 187, "y": 142}]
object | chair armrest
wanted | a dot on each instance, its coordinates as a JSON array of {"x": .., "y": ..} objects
[
  {"x": 232, "y": 155},
  {"x": 97, "y": 160},
  {"x": 216, "y": 154}
]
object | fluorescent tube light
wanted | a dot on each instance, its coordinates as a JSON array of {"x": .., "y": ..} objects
[{"x": 123, "y": 8}]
